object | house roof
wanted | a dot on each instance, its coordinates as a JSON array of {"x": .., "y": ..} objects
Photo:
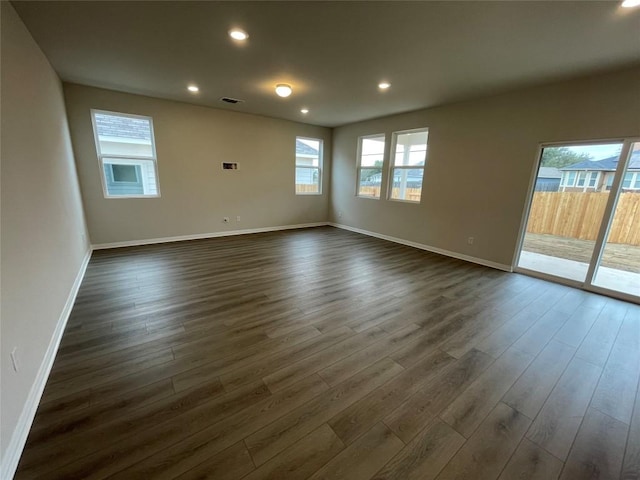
[
  {"x": 304, "y": 149},
  {"x": 549, "y": 172},
  {"x": 606, "y": 164}
]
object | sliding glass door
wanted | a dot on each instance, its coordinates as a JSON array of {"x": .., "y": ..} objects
[
  {"x": 583, "y": 221},
  {"x": 619, "y": 265}
]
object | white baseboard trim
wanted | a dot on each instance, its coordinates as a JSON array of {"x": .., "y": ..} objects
[
  {"x": 21, "y": 432},
  {"x": 421, "y": 246},
  {"x": 198, "y": 236}
]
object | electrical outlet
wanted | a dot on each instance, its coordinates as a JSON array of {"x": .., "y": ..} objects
[
  {"x": 340, "y": 214},
  {"x": 14, "y": 359},
  {"x": 470, "y": 240},
  {"x": 225, "y": 219},
  {"x": 238, "y": 218}
]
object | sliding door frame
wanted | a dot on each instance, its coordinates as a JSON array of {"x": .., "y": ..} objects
[{"x": 605, "y": 226}]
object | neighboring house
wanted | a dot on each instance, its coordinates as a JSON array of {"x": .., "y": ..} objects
[
  {"x": 597, "y": 175},
  {"x": 548, "y": 179},
  {"x": 306, "y": 156},
  {"x": 414, "y": 178},
  {"x": 121, "y": 136}
]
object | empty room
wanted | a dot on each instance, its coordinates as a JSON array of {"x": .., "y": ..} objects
[{"x": 315, "y": 240}]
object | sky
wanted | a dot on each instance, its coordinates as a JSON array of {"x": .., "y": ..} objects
[{"x": 598, "y": 152}]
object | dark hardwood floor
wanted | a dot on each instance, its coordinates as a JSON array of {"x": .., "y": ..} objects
[{"x": 325, "y": 354}]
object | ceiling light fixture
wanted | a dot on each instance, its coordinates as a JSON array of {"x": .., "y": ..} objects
[
  {"x": 304, "y": 110},
  {"x": 193, "y": 89},
  {"x": 283, "y": 90},
  {"x": 384, "y": 85},
  {"x": 630, "y": 3},
  {"x": 238, "y": 34}
]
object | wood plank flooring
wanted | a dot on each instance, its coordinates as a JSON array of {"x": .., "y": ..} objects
[{"x": 325, "y": 354}]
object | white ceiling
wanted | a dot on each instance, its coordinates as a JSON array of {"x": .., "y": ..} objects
[{"x": 332, "y": 53}]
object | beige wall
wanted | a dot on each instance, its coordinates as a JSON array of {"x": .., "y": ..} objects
[
  {"x": 480, "y": 159},
  {"x": 191, "y": 143},
  {"x": 43, "y": 240}
]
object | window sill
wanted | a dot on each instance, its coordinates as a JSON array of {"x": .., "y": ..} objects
[
  {"x": 118, "y": 197},
  {"x": 399, "y": 200}
]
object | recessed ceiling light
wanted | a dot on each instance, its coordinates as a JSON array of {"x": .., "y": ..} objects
[
  {"x": 238, "y": 34},
  {"x": 630, "y": 3},
  {"x": 304, "y": 110},
  {"x": 283, "y": 90},
  {"x": 193, "y": 89},
  {"x": 384, "y": 85}
]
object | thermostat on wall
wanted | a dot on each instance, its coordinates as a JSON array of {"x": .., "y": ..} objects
[{"x": 230, "y": 165}]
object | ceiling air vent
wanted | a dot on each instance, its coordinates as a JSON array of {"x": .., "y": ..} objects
[{"x": 231, "y": 100}]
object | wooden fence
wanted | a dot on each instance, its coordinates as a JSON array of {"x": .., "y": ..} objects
[
  {"x": 412, "y": 194},
  {"x": 306, "y": 188},
  {"x": 578, "y": 215}
]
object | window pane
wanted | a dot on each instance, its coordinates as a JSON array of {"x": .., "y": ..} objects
[
  {"x": 123, "y": 135},
  {"x": 626, "y": 182},
  {"x": 411, "y": 149},
  {"x": 592, "y": 179},
  {"x": 308, "y": 152},
  {"x": 307, "y": 180},
  {"x": 370, "y": 182},
  {"x": 581, "y": 178},
  {"x": 125, "y": 173},
  {"x": 308, "y": 165},
  {"x": 407, "y": 184},
  {"x": 372, "y": 151},
  {"x": 123, "y": 177}
]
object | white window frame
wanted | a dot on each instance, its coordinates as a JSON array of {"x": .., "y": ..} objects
[
  {"x": 392, "y": 166},
  {"x": 359, "y": 166},
  {"x": 101, "y": 156},
  {"x": 319, "y": 167}
]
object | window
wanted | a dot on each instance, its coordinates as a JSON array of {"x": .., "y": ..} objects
[
  {"x": 308, "y": 166},
  {"x": 631, "y": 180},
  {"x": 127, "y": 154},
  {"x": 410, "y": 154},
  {"x": 582, "y": 180},
  {"x": 125, "y": 173},
  {"x": 569, "y": 179},
  {"x": 370, "y": 159}
]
